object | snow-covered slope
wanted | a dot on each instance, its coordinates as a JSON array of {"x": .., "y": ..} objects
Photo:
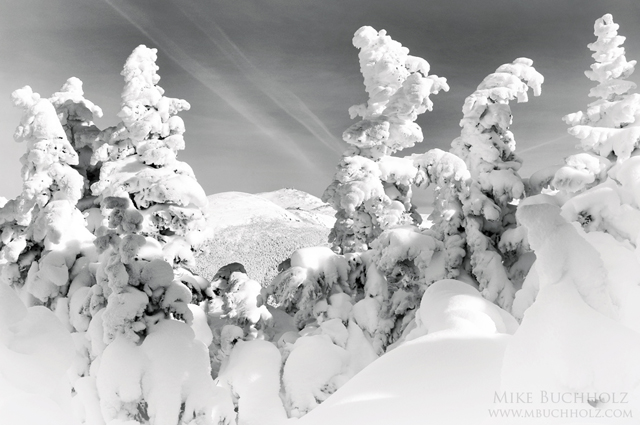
[
  {"x": 229, "y": 209},
  {"x": 302, "y": 205},
  {"x": 293, "y": 199},
  {"x": 435, "y": 379},
  {"x": 260, "y": 231}
]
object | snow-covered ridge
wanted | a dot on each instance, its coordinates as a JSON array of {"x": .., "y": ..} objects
[
  {"x": 260, "y": 231},
  {"x": 288, "y": 205}
]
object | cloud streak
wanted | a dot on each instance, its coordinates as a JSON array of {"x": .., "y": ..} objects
[{"x": 291, "y": 104}]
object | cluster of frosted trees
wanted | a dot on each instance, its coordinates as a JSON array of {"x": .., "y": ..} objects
[
  {"x": 105, "y": 230},
  {"x": 103, "y": 234}
]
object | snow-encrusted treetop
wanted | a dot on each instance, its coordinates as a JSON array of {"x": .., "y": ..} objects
[
  {"x": 486, "y": 144},
  {"x": 141, "y": 89},
  {"x": 150, "y": 117},
  {"x": 399, "y": 86},
  {"x": 510, "y": 81},
  {"x": 611, "y": 66},
  {"x": 71, "y": 96},
  {"x": 42, "y": 130},
  {"x": 609, "y": 124},
  {"x": 149, "y": 121},
  {"x": 72, "y": 106},
  {"x": 139, "y": 161},
  {"x": 46, "y": 169}
]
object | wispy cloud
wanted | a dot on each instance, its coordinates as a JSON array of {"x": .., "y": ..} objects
[
  {"x": 212, "y": 80},
  {"x": 291, "y": 104}
]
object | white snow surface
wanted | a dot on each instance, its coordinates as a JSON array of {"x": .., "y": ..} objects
[
  {"x": 440, "y": 378},
  {"x": 35, "y": 353},
  {"x": 252, "y": 375},
  {"x": 170, "y": 369}
]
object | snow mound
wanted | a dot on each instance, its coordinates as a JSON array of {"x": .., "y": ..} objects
[
  {"x": 437, "y": 378},
  {"x": 35, "y": 354},
  {"x": 447, "y": 372}
]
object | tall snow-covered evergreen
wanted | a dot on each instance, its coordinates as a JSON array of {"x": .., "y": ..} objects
[
  {"x": 371, "y": 190},
  {"x": 109, "y": 281},
  {"x": 153, "y": 216},
  {"x": 474, "y": 213},
  {"x": 139, "y": 166},
  {"x": 609, "y": 130},
  {"x": 610, "y": 134},
  {"x": 44, "y": 238}
]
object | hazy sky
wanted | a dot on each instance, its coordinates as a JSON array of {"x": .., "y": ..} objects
[{"x": 270, "y": 81}]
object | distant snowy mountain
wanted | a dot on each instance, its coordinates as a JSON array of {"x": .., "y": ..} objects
[
  {"x": 302, "y": 205},
  {"x": 261, "y": 231}
]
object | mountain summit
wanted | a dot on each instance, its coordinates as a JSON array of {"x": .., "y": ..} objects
[{"x": 261, "y": 230}]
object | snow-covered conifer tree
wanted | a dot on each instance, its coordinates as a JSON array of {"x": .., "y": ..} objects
[
  {"x": 599, "y": 187},
  {"x": 46, "y": 250},
  {"x": 315, "y": 274},
  {"x": 76, "y": 115},
  {"x": 410, "y": 258},
  {"x": 371, "y": 190},
  {"x": 372, "y": 193},
  {"x": 139, "y": 164},
  {"x": 43, "y": 233},
  {"x": 137, "y": 313},
  {"x": 609, "y": 130},
  {"x": 475, "y": 207}
]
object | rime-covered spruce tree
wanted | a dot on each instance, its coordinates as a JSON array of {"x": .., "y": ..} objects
[
  {"x": 371, "y": 190},
  {"x": 608, "y": 130},
  {"x": 45, "y": 245},
  {"x": 47, "y": 253},
  {"x": 377, "y": 282},
  {"x": 153, "y": 217},
  {"x": 476, "y": 200},
  {"x": 139, "y": 166}
]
